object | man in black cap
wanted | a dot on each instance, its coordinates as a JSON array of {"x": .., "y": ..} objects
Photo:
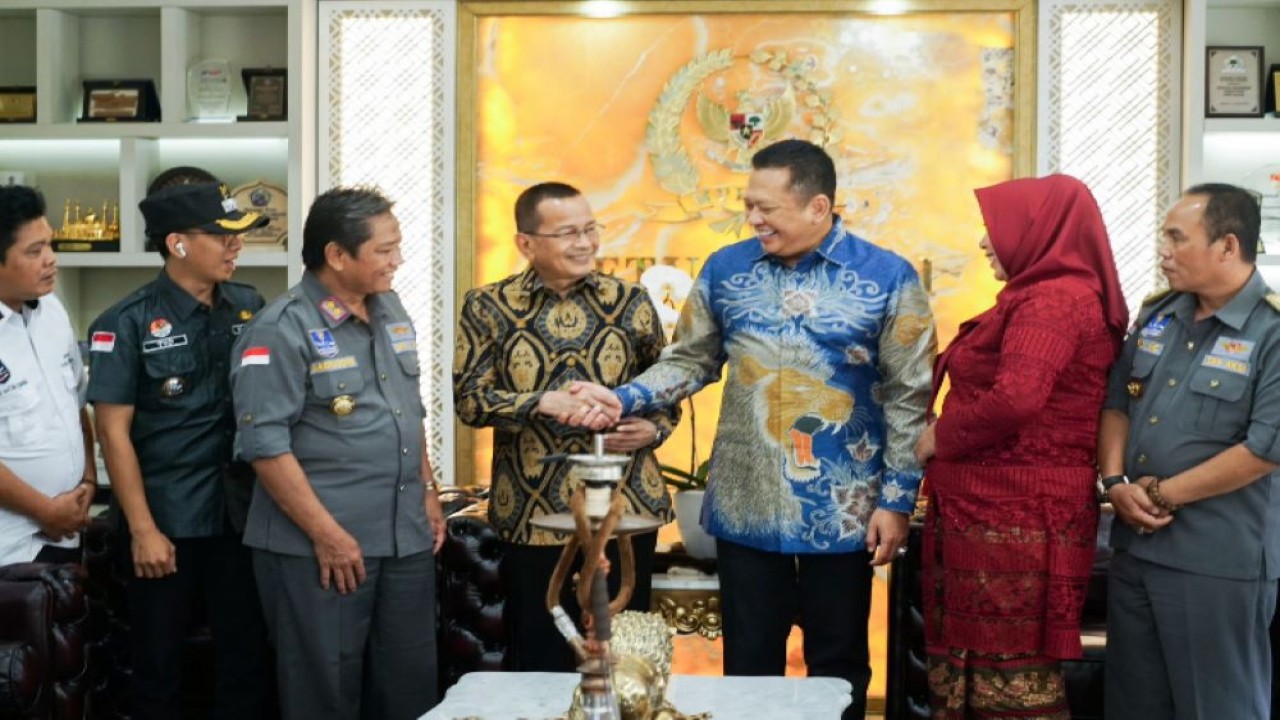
[{"x": 159, "y": 385}]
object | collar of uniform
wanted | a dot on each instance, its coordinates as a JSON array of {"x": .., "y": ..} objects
[
  {"x": 833, "y": 247},
  {"x": 317, "y": 294},
  {"x": 1236, "y": 312},
  {"x": 180, "y": 301},
  {"x": 530, "y": 281}
]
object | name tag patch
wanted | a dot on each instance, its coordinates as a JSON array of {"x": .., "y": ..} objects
[
  {"x": 324, "y": 366},
  {"x": 1233, "y": 348},
  {"x": 152, "y": 346},
  {"x": 1239, "y": 367},
  {"x": 1150, "y": 346},
  {"x": 322, "y": 340}
]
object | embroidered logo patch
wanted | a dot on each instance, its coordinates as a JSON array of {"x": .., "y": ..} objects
[
  {"x": 152, "y": 346},
  {"x": 255, "y": 356},
  {"x": 1238, "y": 367},
  {"x": 1156, "y": 325},
  {"x": 324, "y": 366},
  {"x": 103, "y": 342},
  {"x": 160, "y": 328},
  {"x": 400, "y": 331},
  {"x": 1150, "y": 346},
  {"x": 322, "y": 340},
  {"x": 1233, "y": 348},
  {"x": 334, "y": 308}
]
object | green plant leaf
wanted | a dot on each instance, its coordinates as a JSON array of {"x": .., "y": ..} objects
[{"x": 681, "y": 479}]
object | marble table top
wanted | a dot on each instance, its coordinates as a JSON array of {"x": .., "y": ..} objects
[{"x": 542, "y": 696}]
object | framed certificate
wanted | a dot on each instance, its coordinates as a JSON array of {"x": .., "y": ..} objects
[
  {"x": 1234, "y": 82},
  {"x": 120, "y": 101},
  {"x": 266, "y": 91},
  {"x": 18, "y": 104}
]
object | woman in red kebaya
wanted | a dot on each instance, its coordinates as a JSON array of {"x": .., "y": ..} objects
[{"x": 1012, "y": 517}]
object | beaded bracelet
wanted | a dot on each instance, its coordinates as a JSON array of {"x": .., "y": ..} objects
[{"x": 1153, "y": 492}]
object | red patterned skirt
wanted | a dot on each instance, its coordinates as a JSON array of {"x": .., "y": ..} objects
[{"x": 1007, "y": 556}]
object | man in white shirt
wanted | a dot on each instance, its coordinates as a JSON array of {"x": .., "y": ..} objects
[{"x": 47, "y": 474}]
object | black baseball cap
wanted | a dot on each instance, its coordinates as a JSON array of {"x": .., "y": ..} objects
[{"x": 198, "y": 206}]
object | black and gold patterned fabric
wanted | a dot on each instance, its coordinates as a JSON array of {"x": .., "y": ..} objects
[{"x": 517, "y": 339}]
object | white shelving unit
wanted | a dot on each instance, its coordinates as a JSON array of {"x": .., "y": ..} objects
[
  {"x": 1241, "y": 151},
  {"x": 1228, "y": 149},
  {"x": 54, "y": 45}
]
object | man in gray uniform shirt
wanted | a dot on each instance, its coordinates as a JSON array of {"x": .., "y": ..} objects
[
  {"x": 345, "y": 519},
  {"x": 1189, "y": 442}
]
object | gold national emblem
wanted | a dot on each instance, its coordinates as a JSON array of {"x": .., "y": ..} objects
[
  {"x": 1135, "y": 388},
  {"x": 343, "y": 405},
  {"x": 246, "y": 314}
]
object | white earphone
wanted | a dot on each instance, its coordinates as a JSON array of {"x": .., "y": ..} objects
[{"x": 179, "y": 250}]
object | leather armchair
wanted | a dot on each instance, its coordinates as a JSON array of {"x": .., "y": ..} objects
[
  {"x": 471, "y": 600},
  {"x": 44, "y": 617}
]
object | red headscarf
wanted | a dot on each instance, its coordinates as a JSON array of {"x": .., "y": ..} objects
[
  {"x": 1043, "y": 229},
  {"x": 1050, "y": 227}
]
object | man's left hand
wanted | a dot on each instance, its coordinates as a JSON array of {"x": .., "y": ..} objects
[
  {"x": 886, "y": 532},
  {"x": 435, "y": 514},
  {"x": 631, "y": 434}
]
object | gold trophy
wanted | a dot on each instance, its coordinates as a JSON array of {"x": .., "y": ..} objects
[{"x": 88, "y": 231}]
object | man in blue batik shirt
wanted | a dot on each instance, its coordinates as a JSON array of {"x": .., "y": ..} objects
[{"x": 829, "y": 343}]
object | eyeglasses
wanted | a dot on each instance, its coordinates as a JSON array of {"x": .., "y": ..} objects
[
  {"x": 224, "y": 240},
  {"x": 590, "y": 232}
]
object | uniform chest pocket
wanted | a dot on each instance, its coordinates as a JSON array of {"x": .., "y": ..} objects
[
  {"x": 17, "y": 397},
  {"x": 170, "y": 373},
  {"x": 1217, "y": 403},
  {"x": 337, "y": 382},
  {"x": 409, "y": 363},
  {"x": 1143, "y": 363}
]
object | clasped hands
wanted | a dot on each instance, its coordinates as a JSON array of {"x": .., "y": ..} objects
[
  {"x": 1136, "y": 508},
  {"x": 594, "y": 407}
]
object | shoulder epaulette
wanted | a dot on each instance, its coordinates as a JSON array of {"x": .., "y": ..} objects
[
  {"x": 1273, "y": 299},
  {"x": 275, "y": 308},
  {"x": 1156, "y": 296},
  {"x": 131, "y": 299}
]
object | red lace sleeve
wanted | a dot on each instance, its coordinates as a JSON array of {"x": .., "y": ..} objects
[{"x": 1040, "y": 337}]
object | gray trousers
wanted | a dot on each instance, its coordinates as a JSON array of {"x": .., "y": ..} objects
[
  {"x": 1182, "y": 646},
  {"x": 367, "y": 655}
]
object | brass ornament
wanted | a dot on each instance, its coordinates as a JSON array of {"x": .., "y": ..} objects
[
  {"x": 343, "y": 405},
  {"x": 1135, "y": 388}
]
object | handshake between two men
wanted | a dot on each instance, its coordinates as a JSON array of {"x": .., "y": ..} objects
[{"x": 595, "y": 407}]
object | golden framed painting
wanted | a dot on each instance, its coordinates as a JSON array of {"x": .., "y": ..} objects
[{"x": 669, "y": 100}]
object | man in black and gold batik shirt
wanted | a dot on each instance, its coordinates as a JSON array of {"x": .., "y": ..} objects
[{"x": 521, "y": 342}]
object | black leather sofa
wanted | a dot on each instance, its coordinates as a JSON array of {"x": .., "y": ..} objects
[{"x": 43, "y": 630}]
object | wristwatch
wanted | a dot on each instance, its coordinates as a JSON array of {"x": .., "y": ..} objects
[{"x": 1105, "y": 484}]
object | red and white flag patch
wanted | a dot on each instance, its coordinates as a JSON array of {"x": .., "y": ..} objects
[
  {"x": 103, "y": 342},
  {"x": 255, "y": 356}
]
